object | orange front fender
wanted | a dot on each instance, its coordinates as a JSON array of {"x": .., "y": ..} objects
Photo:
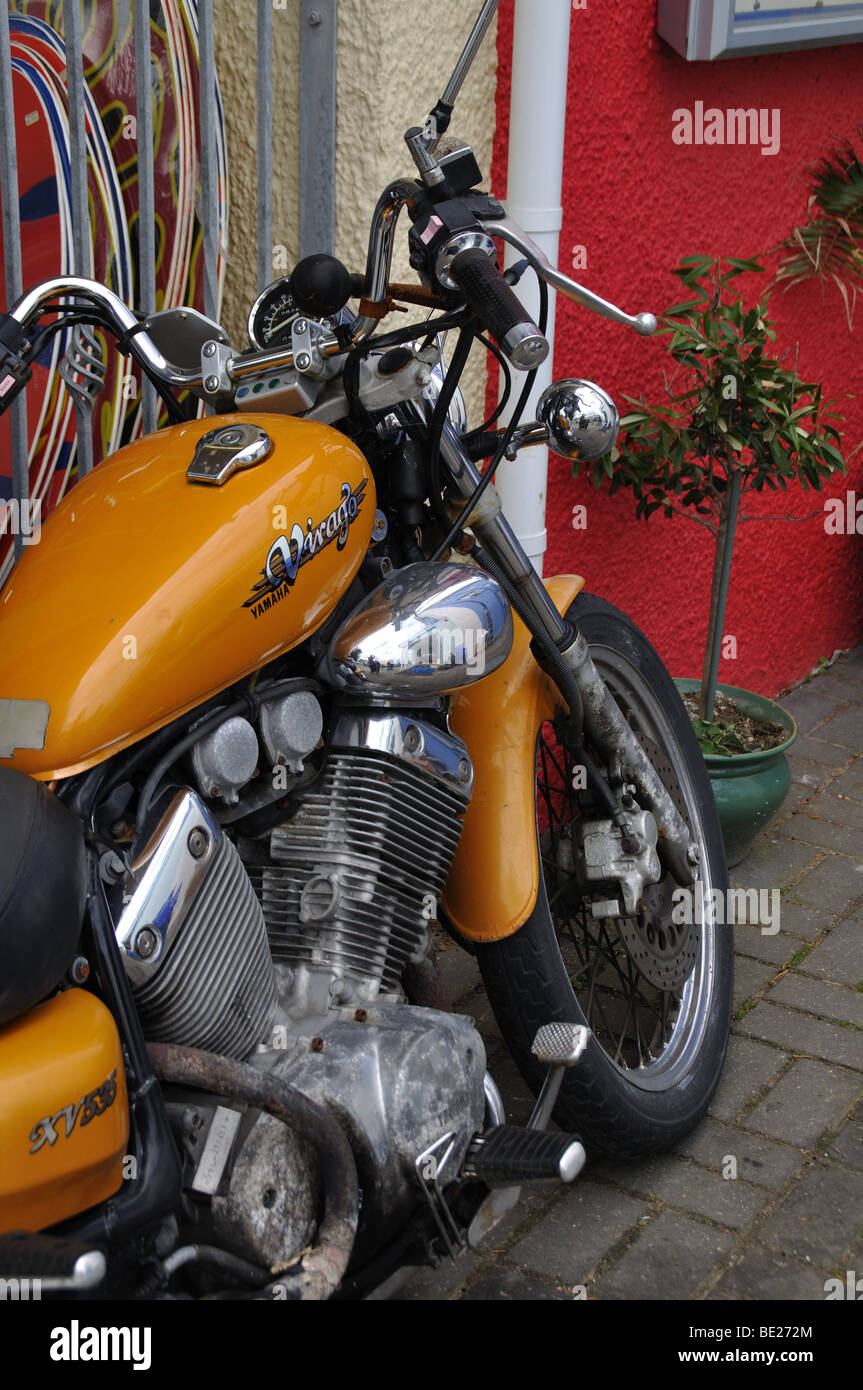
[{"x": 494, "y": 878}]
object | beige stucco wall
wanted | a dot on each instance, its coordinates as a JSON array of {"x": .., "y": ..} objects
[{"x": 394, "y": 59}]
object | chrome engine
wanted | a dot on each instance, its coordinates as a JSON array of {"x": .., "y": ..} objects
[
  {"x": 290, "y": 948},
  {"x": 348, "y": 896}
]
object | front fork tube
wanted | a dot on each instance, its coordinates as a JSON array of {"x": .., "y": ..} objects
[
  {"x": 608, "y": 731},
  {"x": 604, "y": 723}
]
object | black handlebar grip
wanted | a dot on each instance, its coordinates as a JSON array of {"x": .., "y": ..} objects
[{"x": 499, "y": 310}]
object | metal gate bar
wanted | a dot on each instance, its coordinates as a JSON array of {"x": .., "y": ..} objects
[
  {"x": 319, "y": 25},
  {"x": 265, "y": 143},
  {"x": 146, "y": 195},
  {"x": 12, "y": 261},
  {"x": 209, "y": 163},
  {"x": 81, "y": 258}
]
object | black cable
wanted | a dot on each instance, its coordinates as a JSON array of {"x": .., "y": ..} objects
[
  {"x": 40, "y": 342},
  {"x": 507, "y": 387},
  {"x": 442, "y": 405},
  {"x": 176, "y": 413},
  {"x": 456, "y": 318},
  {"x": 92, "y": 318},
  {"x": 124, "y": 339},
  {"x": 487, "y": 477},
  {"x": 359, "y": 415}
]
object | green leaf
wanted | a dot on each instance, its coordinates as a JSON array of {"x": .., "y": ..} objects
[{"x": 683, "y": 308}]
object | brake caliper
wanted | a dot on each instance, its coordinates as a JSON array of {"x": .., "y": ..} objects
[{"x": 606, "y": 861}]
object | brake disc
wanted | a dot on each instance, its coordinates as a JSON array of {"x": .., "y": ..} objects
[{"x": 662, "y": 950}]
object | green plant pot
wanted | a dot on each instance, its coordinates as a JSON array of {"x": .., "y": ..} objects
[{"x": 749, "y": 787}]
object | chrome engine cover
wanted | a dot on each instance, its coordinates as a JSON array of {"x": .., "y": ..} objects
[
  {"x": 342, "y": 895},
  {"x": 252, "y": 1185},
  {"x": 398, "y": 1082},
  {"x": 192, "y": 938},
  {"x": 267, "y": 1210}
]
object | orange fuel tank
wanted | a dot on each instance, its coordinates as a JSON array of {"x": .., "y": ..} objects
[
  {"x": 64, "y": 1122},
  {"x": 148, "y": 593}
]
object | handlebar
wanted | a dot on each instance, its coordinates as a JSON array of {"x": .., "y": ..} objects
[
  {"x": 124, "y": 320},
  {"x": 117, "y": 312},
  {"x": 473, "y": 271},
  {"x": 378, "y": 266}
]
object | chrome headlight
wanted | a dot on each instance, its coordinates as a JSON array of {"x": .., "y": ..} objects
[
  {"x": 581, "y": 419},
  {"x": 429, "y": 628}
]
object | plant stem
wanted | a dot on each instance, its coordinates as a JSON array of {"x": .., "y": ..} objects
[{"x": 719, "y": 592}]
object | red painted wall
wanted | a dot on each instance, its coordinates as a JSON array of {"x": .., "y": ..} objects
[{"x": 638, "y": 202}]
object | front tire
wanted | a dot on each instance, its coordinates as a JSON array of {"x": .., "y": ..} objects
[{"x": 659, "y": 1039}]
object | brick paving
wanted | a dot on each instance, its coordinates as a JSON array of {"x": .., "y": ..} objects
[{"x": 789, "y": 1107}]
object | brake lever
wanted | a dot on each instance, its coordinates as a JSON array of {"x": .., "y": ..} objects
[{"x": 509, "y": 231}]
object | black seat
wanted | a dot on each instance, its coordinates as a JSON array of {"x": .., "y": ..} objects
[{"x": 43, "y": 878}]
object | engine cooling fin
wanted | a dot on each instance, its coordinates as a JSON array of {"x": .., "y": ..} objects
[{"x": 355, "y": 877}]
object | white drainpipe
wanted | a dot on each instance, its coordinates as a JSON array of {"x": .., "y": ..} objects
[{"x": 540, "y": 63}]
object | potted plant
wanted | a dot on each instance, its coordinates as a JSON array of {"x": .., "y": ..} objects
[
  {"x": 829, "y": 244},
  {"x": 735, "y": 420}
]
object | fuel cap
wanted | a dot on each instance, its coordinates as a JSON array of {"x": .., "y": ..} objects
[{"x": 224, "y": 451}]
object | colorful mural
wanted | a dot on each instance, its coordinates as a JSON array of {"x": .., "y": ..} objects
[{"x": 112, "y": 133}]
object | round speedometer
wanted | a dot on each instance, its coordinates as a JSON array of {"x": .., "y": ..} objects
[{"x": 271, "y": 316}]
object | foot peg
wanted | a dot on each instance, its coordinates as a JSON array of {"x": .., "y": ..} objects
[
  {"x": 509, "y": 1154},
  {"x": 558, "y": 1046}
]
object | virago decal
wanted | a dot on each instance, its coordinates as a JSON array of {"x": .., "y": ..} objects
[{"x": 289, "y": 553}]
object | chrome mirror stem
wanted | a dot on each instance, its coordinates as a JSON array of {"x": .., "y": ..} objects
[
  {"x": 471, "y": 48},
  {"x": 438, "y": 119}
]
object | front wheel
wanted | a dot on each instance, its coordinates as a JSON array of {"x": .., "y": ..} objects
[{"x": 655, "y": 990}]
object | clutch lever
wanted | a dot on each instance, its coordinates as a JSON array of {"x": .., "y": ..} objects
[{"x": 511, "y": 232}]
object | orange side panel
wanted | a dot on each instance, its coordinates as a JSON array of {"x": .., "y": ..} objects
[
  {"x": 64, "y": 1120},
  {"x": 494, "y": 879}
]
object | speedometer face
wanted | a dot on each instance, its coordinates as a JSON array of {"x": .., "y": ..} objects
[{"x": 272, "y": 315}]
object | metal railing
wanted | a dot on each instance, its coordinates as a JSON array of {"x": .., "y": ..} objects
[{"x": 317, "y": 45}]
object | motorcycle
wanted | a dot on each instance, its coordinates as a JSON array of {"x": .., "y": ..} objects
[{"x": 281, "y": 696}]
